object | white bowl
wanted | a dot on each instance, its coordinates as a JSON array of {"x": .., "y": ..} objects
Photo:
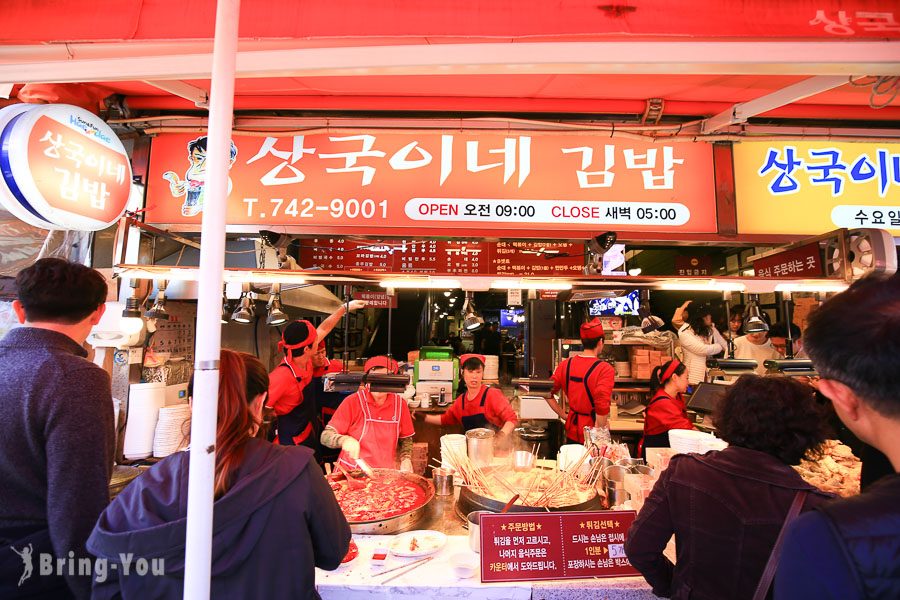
[
  {"x": 464, "y": 565},
  {"x": 412, "y": 403}
]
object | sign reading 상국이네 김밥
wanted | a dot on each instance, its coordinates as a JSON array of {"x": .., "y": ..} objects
[
  {"x": 61, "y": 167},
  {"x": 527, "y": 184},
  {"x": 559, "y": 545},
  {"x": 809, "y": 188}
]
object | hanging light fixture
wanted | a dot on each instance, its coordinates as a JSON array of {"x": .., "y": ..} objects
[
  {"x": 754, "y": 322},
  {"x": 158, "y": 310},
  {"x": 244, "y": 312},
  {"x": 132, "y": 322},
  {"x": 472, "y": 320},
  {"x": 276, "y": 315}
]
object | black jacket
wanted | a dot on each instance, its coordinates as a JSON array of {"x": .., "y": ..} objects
[
  {"x": 277, "y": 521},
  {"x": 846, "y": 550}
]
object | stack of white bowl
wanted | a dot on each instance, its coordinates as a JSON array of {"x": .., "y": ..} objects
[
  {"x": 455, "y": 443},
  {"x": 171, "y": 430},
  {"x": 491, "y": 367},
  {"x": 684, "y": 441}
]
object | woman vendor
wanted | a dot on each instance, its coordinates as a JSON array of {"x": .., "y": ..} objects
[
  {"x": 369, "y": 424},
  {"x": 480, "y": 405},
  {"x": 666, "y": 409}
]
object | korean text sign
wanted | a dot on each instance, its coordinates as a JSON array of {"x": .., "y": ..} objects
[
  {"x": 563, "y": 545},
  {"x": 62, "y": 167},
  {"x": 804, "y": 261},
  {"x": 441, "y": 183},
  {"x": 815, "y": 187}
]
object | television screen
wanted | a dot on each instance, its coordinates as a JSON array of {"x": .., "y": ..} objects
[
  {"x": 623, "y": 305},
  {"x": 512, "y": 317}
]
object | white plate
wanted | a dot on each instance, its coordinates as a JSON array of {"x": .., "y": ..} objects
[{"x": 426, "y": 542}]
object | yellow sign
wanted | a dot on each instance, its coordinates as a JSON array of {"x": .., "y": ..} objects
[{"x": 808, "y": 188}]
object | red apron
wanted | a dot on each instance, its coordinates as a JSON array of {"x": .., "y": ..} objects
[
  {"x": 379, "y": 436},
  {"x": 580, "y": 416}
]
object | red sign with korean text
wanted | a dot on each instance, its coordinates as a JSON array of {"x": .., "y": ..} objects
[
  {"x": 805, "y": 261},
  {"x": 444, "y": 257},
  {"x": 563, "y": 545},
  {"x": 64, "y": 168},
  {"x": 692, "y": 266},
  {"x": 534, "y": 183},
  {"x": 376, "y": 299}
]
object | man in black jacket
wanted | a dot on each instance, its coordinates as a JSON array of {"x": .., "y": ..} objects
[
  {"x": 848, "y": 549},
  {"x": 57, "y": 437}
]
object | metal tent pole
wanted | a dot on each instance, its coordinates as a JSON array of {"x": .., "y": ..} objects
[{"x": 198, "y": 543}]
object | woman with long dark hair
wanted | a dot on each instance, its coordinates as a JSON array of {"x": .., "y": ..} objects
[
  {"x": 275, "y": 518},
  {"x": 699, "y": 340},
  {"x": 666, "y": 409}
]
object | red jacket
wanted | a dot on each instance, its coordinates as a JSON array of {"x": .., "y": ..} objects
[{"x": 664, "y": 413}]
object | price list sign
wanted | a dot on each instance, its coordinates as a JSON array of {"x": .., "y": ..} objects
[
  {"x": 542, "y": 546},
  {"x": 445, "y": 257},
  {"x": 339, "y": 254}
]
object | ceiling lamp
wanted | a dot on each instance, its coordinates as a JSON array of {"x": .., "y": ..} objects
[
  {"x": 158, "y": 310},
  {"x": 754, "y": 322},
  {"x": 472, "y": 321},
  {"x": 131, "y": 316},
  {"x": 276, "y": 315},
  {"x": 421, "y": 283},
  {"x": 244, "y": 312}
]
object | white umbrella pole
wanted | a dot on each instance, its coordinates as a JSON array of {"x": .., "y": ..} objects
[{"x": 198, "y": 546}]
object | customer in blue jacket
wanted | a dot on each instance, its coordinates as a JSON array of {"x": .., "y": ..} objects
[
  {"x": 275, "y": 517},
  {"x": 850, "y": 548}
]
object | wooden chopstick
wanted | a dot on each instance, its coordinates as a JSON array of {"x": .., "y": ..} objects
[
  {"x": 412, "y": 566},
  {"x": 409, "y": 564}
]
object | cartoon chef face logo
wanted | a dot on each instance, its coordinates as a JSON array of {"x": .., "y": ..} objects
[{"x": 193, "y": 186}]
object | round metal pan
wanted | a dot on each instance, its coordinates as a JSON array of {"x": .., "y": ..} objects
[
  {"x": 469, "y": 501},
  {"x": 400, "y": 522}
]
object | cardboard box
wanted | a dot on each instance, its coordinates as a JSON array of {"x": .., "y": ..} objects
[
  {"x": 655, "y": 355},
  {"x": 640, "y": 351},
  {"x": 641, "y": 359}
]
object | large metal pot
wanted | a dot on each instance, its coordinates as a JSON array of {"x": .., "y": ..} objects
[
  {"x": 396, "y": 523},
  {"x": 469, "y": 501}
]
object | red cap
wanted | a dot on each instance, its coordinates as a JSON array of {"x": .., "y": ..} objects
[
  {"x": 381, "y": 361},
  {"x": 465, "y": 357},
  {"x": 593, "y": 329}
]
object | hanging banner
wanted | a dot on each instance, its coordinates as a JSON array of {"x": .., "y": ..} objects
[
  {"x": 810, "y": 188},
  {"x": 62, "y": 167},
  {"x": 442, "y": 184},
  {"x": 804, "y": 261}
]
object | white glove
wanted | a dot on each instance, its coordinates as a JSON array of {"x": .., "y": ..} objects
[
  {"x": 406, "y": 466},
  {"x": 357, "y": 304},
  {"x": 350, "y": 446}
]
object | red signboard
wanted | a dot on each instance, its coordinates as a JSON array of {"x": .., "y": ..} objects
[
  {"x": 444, "y": 257},
  {"x": 563, "y": 545},
  {"x": 693, "y": 266},
  {"x": 377, "y": 299},
  {"x": 805, "y": 261},
  {"x": 442, "y": 183},
  {"x": 64, "y": 168}
]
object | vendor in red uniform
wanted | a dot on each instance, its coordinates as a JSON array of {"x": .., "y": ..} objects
[
  {"x": 369, "y": 425},
  {"x": 666, "y": 409},
  {"x": 587, "y": 383},
  {"x": 480, "y": 405},
  {"x": 296, "y": 418}
]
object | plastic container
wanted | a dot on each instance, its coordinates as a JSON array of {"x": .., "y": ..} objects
[
  {"x": 464, "y": 565},
  {"x": 380, "y": 556}
]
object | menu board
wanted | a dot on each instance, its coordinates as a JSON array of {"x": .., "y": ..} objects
[
  {"x": 444, "y": 257},
  {"x": 563, "y": 545}
]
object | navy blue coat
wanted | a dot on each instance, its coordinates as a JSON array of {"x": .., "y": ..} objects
[
  {"x": 276, "y": 523},
  {"x": 847, "y": 550}
]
